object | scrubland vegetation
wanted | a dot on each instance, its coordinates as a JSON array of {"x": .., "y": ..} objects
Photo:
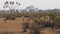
[{"x": 35, "y": 20}]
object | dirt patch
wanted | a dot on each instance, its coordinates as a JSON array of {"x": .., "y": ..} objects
[{"x": 14, "y": 26}]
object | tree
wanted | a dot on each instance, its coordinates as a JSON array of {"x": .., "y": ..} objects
[{"x": 11, "y": 5}]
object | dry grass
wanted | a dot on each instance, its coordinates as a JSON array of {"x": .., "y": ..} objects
[{"x": 15, "y": 26}]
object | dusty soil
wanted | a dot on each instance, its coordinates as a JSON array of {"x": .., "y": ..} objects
[{"x": 14, "y": 26}]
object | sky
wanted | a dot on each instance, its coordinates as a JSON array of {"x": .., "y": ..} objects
[{"x": 40, "y": 4}]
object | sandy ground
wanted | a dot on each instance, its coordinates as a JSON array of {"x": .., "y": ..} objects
[{"x": 16, "y": 27}]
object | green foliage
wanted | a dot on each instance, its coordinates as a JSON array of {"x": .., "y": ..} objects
[
  {"x": 36, "y": 15},
  {"x": 57, "y": 19},
  {"x": 36, "y": 20}
]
